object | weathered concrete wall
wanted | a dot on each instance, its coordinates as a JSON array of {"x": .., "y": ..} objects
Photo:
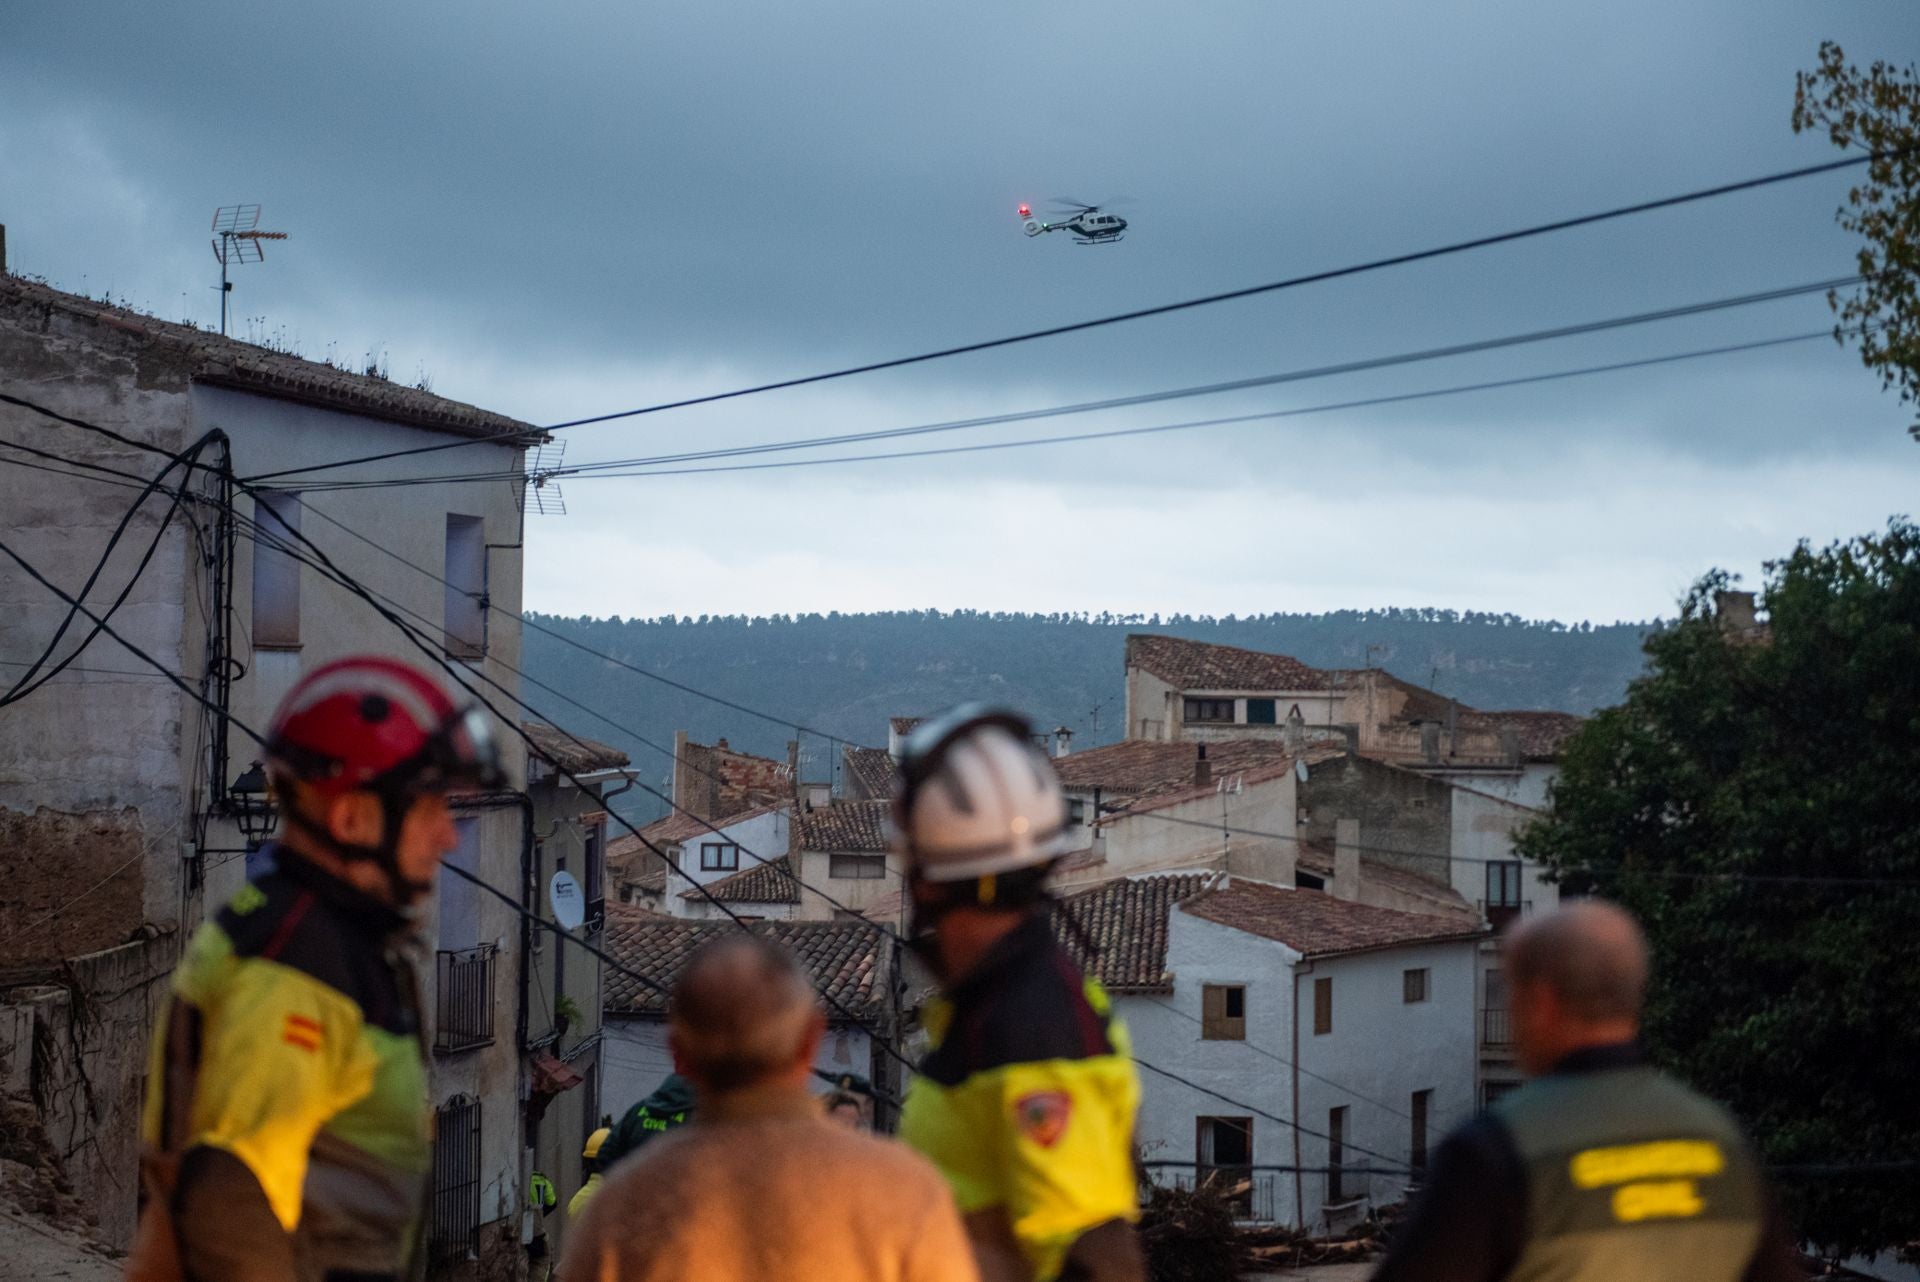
[
  {"x": 1189, "y": 834},
  {"x": 1405, "y": 818},
  {"x": 76, "y": 1045}
]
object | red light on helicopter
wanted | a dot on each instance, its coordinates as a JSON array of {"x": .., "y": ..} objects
[{"x": 1025, "y": 211}]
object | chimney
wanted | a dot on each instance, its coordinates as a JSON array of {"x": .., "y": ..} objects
[
  {"x": 1062, "y": 741},
  {"x": 677, "y": 789},
  {"x": 1202, "y": 769},
  {"x": 1295, "y": 734},
  {"x": 1346, "y": 860},
  {"x": 1735, "y": 611},
  {"x": 3, "y": 249},
  {"x": 793, "y": 770}
]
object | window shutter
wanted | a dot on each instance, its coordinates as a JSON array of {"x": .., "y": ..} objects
[
  {"x": 1323, "y": 1005},
  {"x": 1213, "y": 1012}
]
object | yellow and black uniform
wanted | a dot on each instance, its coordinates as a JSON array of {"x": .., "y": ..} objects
[
  {"x": 1027, "y": 1100},
  {"x": 286, "y": 1125},
  {"x": 1604, "y": 1169}
]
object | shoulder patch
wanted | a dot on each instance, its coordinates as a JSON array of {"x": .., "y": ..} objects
[{"x": 1042, "y": 1116}]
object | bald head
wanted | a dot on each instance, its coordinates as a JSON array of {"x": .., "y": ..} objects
[
  {"x": 1575, "y": 978},
  {"x": 743, "y": 1013}
]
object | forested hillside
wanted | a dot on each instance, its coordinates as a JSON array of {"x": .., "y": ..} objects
[{"x": 845, "y": 674}]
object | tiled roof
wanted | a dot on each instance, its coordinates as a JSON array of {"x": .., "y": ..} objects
[
  {"x": 846, "y": 826},
  {"x": 1199, "y": 665},
  {"x": 1145, "y": 767},
  {"x": 903, "y": 725},
  {"x": 1127, "y": 920},
  {"x": 680, "y": 827},
  {"x": 168, "y": 352},
  {"x": 871, "y": 769},
  {"x": 1318, "y": 925},
  {"x": 1542, "y": 735},
  {"x": 843, "y": 959},
  {"x": 572, "y": 752},
  {"x": 771, "y": 882},
  {"x": 1316, "y": 857}
]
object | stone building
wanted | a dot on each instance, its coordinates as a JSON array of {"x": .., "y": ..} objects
[{"x": 119, "y": 816}]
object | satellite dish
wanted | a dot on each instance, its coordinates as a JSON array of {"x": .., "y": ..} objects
[
  {"x": 564, "y": 897},
  {"x": 1300, "y": 771}
]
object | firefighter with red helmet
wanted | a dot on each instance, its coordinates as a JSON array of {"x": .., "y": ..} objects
[{"x": 287, "y": 1130}]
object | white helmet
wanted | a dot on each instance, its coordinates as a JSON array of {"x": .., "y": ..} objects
[{"x": 976, "y": 797}]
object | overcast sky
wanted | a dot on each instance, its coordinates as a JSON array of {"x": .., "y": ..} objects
[{"x": 572, "y": 208}]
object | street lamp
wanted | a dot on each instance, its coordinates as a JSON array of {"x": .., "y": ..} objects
[{"x": 252, "y": 806}]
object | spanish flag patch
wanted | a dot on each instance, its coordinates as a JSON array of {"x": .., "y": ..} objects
[{"x": 302, "y": 1032}]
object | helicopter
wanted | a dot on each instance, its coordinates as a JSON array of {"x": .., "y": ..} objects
[{"x": 1087, "y": 223}]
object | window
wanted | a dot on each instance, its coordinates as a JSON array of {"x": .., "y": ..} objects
[
  {"x": 1323, "y": 1005},
  {"x": 454, "y": 1228},
  {"x": 1337, "y": 1154},
  {"x": 1503, "y": 892},
  {"x": 1307, "y": 881},
  {"x": 719, "y": 856},
  {"x": 1490, "y": 1092},
  {"x": 1417, "y": 1142},
  {"x": 1413, "y": 985},
  {"x": 466, "y": 575},
  {"x": 459, "y": 899},
  {"x": 1216, "y": 710},
  {"x": 1076, "y": 812},
  {"x": 1223, "y": 1013},
  {"x": 276, "y": 575},
  {"x": 857, "y": 867},
  {"x": 594, "y": 865},
  {"x": 1260, "y": 712},
  {"x": 1223, "y": 1146}
]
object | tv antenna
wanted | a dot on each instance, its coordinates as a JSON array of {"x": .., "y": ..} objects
[
  {"x": 236, "y": 239},
  {"x": 543, "y": 489}
]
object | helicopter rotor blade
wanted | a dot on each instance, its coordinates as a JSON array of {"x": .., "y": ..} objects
[{"x": 1072, "y": 203}]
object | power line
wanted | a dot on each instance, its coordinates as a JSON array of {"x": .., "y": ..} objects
[
  {"x": 586, "y": 471},
  {"x": 1759, "y": 878},
  {"x": 1336, "y": 273}
]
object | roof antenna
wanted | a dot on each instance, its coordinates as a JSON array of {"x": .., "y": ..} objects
[{"x": 236, "y": 239}]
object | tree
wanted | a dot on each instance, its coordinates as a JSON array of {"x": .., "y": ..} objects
[
  {"x": 1787, "y": 750},
  {"x": 1877, "y": 110}
]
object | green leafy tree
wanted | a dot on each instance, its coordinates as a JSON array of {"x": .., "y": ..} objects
[
  {"x": 1878, "y": 111},
  {"x": 1787, "y": 751}
]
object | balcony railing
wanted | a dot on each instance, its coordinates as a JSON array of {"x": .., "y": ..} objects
[
  {"x": 1249, "y": 1193},
  {"x": 453, "y": 1228},
  {"x": 1498, "y": 915},
  {"x": 1496, "y": 1027},
  {"x": 463, "y": 998}
]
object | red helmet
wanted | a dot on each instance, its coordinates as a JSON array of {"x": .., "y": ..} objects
[{"x": 373, "y": 722}]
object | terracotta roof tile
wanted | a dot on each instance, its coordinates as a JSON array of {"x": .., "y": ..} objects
[
  {"x": 1200, "y": 665},
  {"x": 1318, "y": 925},
  {"x": 1148, "y": 767},
  {"x": 572, "y": 752},
  {"x": 843, "y": 959},
  {"x": 1127, "y": 920},
  {"x": 903, "y": 725},
  {"x": 771, "y": 882},
  {"x": 679, "y": 828},
  {"x": 847, "y": 826},
  {"x": 1542, "y": 735},
  {"x": 191, "y": 354},
  {"x": 869, "y": 771}
]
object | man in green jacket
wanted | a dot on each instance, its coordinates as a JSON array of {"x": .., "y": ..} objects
[
  {"x": 670, "y": 1106},
  {"x": 1602, "y": 1168}
]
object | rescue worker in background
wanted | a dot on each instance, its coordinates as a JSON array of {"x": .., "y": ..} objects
[
  {"x": 592, "y": 1167},
  {"x": 670, "y": 1106},
  {"x": 1026, "y": 1102},
  {"x": 1602, "y": 1168},
  {"x": 542, "y": 1197},
  {"x": 287, "y": 1130}
]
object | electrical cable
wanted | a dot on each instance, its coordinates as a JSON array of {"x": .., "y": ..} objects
[
  {"x": 1758, "y": 878},
  {"x": 26, "y": 684},
  {"x": 583, "y": 471},
  {"x": 1328, "y": 274}
]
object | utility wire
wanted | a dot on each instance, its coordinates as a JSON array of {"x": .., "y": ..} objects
[
  {"x": 1336, "y": 273},
  {"x": 585, "y": 470}
]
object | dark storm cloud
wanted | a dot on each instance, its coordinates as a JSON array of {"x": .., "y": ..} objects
[{"x": 568, "y": 208}]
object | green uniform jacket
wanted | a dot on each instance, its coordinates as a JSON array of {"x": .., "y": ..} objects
[{"x": 1603, "y": 1170}]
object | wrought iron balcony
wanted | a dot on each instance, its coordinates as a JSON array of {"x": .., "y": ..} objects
[
  {"x": 463, "y": 999},
  {"x": 1496, "y": 1027}
]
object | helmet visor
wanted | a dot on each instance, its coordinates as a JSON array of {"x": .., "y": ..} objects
[{"x": 463, "y": 753}]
